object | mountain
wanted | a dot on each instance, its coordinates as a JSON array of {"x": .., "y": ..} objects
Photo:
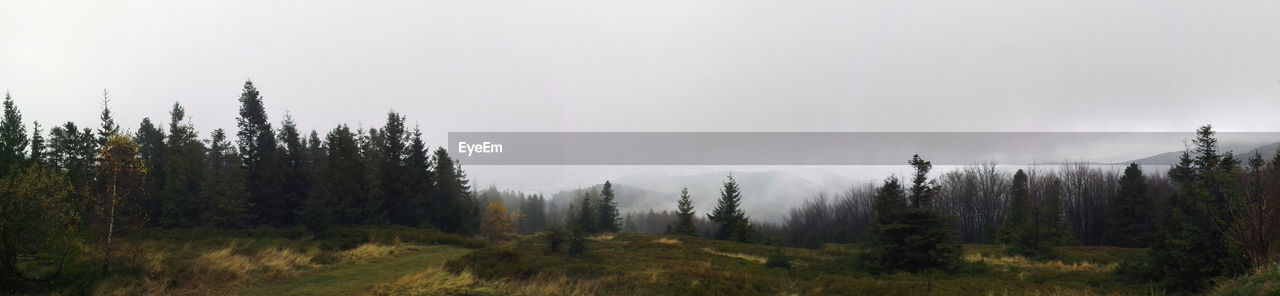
[
  {"x": 766, "y": 196},
  {"x": 1242, "y": 152}
]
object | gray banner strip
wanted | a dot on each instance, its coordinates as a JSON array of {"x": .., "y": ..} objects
[{"x": 831, "y": 148}]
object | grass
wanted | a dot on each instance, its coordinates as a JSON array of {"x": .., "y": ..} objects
[
  {"x": 361, "y": 276},
  {"x": 226, "y": 262},
  {"x": 1265, "y": 281},
  {"x": 639, "y": 264},
  {"x": 405, "y": 261}
]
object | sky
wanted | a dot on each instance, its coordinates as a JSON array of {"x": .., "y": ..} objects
[{"x": 732, "y": 65}]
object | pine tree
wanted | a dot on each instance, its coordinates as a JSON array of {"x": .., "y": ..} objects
[
  {"x": 296, "y": 181},
  {"x": 109, "y": 126},
  {"x": 1190, "y": 247},
  {"x": 348, "y": 176},
  {"x": 1130, "y": 221},
  {"x": 910, "y": 237},
  {"x": 73, "y": 151},
  {"x": 317, "y": 213},
  {"x": 456, "y": 212},
  {"x": 417, "y": 183},
  {"x": 732, "y": 222},
  {"x": 684, "y": 215},
  {"x": 1027, "y": 230},
  {"x": 151, "y": 146},
  {"x": 185, "y": 175},
  {"x": 257, "y": 144},
  {"x": 224, "y": 190},
  {"x": 13, "y": 137},
  {"x": 583, "y": 218},
  {"x": 609, "y": 218},
  {"x": 37, "y": 143},
  {"x": 396, "y": 191}
]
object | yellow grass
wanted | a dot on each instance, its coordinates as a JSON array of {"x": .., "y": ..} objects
[
  {"x": 603, "y": 237},
  {"x": 1054, "y": 265},
  {"x": 669, "y": 241},
  {"x": 757, "y": 259},
  {"x": 373, "y": 251},
  {"x": 434, "y": 281},
  {"x": 210, "y": 272}
]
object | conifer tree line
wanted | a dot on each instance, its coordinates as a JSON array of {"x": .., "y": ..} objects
[{"x": 267, "y": 173}]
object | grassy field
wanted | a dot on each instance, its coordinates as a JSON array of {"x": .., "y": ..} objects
[
  {"x": 403, "y": 261},
  {"x": 660, "y": 265}
]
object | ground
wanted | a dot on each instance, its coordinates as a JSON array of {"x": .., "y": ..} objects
[{"x": 404, "y": 261}]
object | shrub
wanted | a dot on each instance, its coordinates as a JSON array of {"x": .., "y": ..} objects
[
  {"x": 556, "y": 237},
  {"x": 578, "y": 244},
  {"x": 778, "y": 259}
]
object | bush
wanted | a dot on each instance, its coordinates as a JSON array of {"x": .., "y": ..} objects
[
  {"x": 578, "y": 244},
  {"x": 556, "y": 237},
  {"x": 778, "y": 259}
]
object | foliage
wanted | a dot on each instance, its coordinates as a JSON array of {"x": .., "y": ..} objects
[
  {"x": 1131, "y": 216},
  {"x": 609, "y": 218},
  {"x": 684, "y": 215},
  {"x": 1191, "y": 247},
  {"x": 732, "y": 221},
  {"x": 119, "y": 174},
  {"x": 911, "y": 238},
  {"x": 38, "y": 214},
  {"x": 1033, "y": 226},
  {"x": 497, "y": 225}
]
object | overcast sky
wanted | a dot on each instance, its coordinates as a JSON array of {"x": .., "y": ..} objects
[{"x": 681, "y": 65}]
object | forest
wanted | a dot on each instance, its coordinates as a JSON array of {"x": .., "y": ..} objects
[{"x": 80, "y": 204}]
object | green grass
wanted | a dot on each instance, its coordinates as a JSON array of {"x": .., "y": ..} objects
[
  {"x": 396, "y": 261},
  {"x": 1261, "y": 282},
  {"x": 643, "y": 265},
  {"x": 357, "y": 278}
]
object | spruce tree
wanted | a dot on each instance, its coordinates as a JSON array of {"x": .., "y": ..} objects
[
  {"x": 13, "y": 137},
  {"x": 731, "y": 220},
  {"x": 417, "y": 182},
  {"x": 910, "y": 237},
  {"x": 151, "y": 146},
  {"x": 583, "y": 219},
  {"x": 1024, "y": 231},
  {"x": 396, "y": 191},
  {"x": 296, "y": 180},
  {"x": 1130, "y": 220},
  {"x": 109, "y": 126},
  {"x": 1190, "y": 247},
  {"x": 456, "y": 211},
  {"x": 224, "y": 192},
  {"x": 73, "y": 150},
  {"x": 684, "y": 215},
  {"x": 609, "y": 218},
  {"x": 37, "y": 143},
  {"x": 317, "y": 212},
  {"x": 348, "y": 176},
  {"x": 185, "y": 175},
  {"x": 257, "y": 145}
]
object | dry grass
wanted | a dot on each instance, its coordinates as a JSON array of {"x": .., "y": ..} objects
[
  {"x": 434, "y": 281},
  {"x": 603, "y": 237},
  {"x": 203, "y": 272},
  {"x": 1054, "y": 265},
  {"x": 373, "y": 251},
  {"x": 757, "y": 259},
  {"x": 669, "y": 241}
]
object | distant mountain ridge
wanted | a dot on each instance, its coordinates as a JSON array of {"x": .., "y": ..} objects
[
  {"x": 766, "y": 196},
  {"x": 1241, "y": 151}
]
